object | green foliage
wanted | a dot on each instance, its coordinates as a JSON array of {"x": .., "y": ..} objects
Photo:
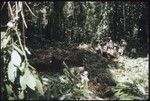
[
  {"x": 88, "y": 21},
  {"x": 132, "y": 79},
  {"x": 17, "y": 74},
  {"x": 127, "y": 91},
  {"x": 64, "y": 87}
]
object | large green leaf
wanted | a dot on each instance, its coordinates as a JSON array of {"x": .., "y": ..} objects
[
  {"x": 11, "y": 98},
  {"x": 9, "y": 89},
  {"x": 5, "y": 41},
  {"x": 29, "y": 79},
  {"x": 21, "y": 68},
  {"x": 21, "y": 95},
  {"x": 39, "y": 86},
  {"x": 3, "y": 34},
  {"x": 23, "y": 82},
  {"x": 12, "y": 72},
  {"x": 16, "y": 58}
]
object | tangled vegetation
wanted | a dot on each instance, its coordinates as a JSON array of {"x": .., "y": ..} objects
[{"x": 66, "y": 50}]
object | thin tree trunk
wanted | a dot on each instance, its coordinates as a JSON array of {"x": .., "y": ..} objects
[
  {"x": 147, "y": 26},
  {"x": 124, "y": 19}
]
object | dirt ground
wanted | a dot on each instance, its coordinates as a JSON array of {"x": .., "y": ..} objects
[{"x": 103, "y": 73}]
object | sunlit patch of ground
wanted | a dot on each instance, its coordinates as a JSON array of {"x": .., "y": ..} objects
[{"x": 133, "y": 71}]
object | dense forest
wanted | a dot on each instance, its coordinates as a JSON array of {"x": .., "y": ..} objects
[{"x": 74, "y": 50}]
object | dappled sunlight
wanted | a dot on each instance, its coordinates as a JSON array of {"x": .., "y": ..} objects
[
  {"x": 92, "y": 50},
  {"x": 134, "y": 72}
]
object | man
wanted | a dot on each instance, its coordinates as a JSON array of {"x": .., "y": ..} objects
[
  {"x": 110, "y": 46},
  {"x": 122, "y": 47},
  {"x": 98, "y": 48}
]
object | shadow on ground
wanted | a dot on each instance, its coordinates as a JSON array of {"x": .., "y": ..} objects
[{"x": 97, "y": 66}]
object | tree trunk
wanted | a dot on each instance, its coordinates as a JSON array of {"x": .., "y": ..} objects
[{"x": 124, "y": 19}]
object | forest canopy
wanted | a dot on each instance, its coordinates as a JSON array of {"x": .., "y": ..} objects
[{"x": 87, "y": 21}]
